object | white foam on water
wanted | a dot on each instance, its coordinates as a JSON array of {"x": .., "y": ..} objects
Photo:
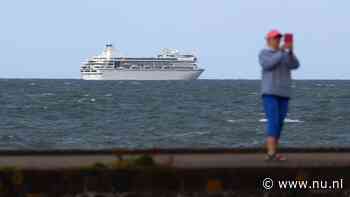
[
  {"x": 81, "y": 100},
  {"x": 325, "y": 85},
  {"x": 47, "y": 94},
  {"x": 287, "y": 120},
  {"x": 293, "y": 121},
  {"x": 92, "y": 100},
  {"x": 108, "y": 95},
  {"x": 233, "y": 121},
  {"x": 201, "y": 132},
  {"x": 194, "y": 133}
]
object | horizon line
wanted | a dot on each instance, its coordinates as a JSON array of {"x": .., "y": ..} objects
[{"x": 59, "y": 78}]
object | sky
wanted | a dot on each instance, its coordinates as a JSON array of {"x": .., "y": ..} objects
[{"x": 50, "y": 39}]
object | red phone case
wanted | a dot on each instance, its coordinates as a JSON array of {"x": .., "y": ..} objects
[{"x": 288, "y": 38}]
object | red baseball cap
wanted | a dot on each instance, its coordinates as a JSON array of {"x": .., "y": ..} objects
[{"x": 273, "y": 34}]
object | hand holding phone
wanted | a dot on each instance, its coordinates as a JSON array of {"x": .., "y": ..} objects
[{"x": 288, "y": 41}]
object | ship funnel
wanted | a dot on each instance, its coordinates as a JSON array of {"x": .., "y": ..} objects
[{"x": 109, "y": 51}]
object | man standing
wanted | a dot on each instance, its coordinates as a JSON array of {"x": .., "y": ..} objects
[{"x": 276, "y": 62}]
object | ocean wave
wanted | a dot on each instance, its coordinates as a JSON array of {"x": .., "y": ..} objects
[
  {"x": 233, "y": 121},
  {"x": 325, "y": 85},
  {"x": 190, "y": 134},
  {"x": 47, "y": 94},
  {"x": 287, "y": 120},
  {"x": 81, "y": 100}
]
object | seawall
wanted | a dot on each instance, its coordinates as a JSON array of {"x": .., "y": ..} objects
[{"x": 171, "y": 172}]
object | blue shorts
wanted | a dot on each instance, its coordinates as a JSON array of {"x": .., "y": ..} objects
[{"x": 276, "y": 109}]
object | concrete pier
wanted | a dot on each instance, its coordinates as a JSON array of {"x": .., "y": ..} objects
[{"x": 186, "y": 172}]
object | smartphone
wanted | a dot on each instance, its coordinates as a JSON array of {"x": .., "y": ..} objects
[{"x": 288, "y": 38}]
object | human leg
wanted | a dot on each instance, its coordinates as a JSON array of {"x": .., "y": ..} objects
[{"x": 271, "y": 106}]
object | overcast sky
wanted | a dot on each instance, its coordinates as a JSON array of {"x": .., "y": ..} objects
[{"x": 49, "y": 39}]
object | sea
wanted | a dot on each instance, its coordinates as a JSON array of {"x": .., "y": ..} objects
[{"x": 48, "y": 114}]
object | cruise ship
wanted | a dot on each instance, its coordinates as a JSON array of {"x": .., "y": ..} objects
[{"x": 168, "y": 65}]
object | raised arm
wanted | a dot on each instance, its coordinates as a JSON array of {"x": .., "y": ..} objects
[
  {"x": 270, "y": 59},
  {"x": 293, "y": 62}
]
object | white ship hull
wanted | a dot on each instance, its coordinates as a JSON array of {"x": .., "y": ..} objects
[
  {"x": 168, "y": 65},
  {"x": 143, "y": 75}
]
